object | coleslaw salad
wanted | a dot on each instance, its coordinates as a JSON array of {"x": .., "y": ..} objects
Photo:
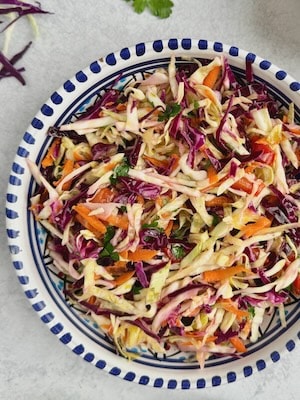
[{"x": 172, "y": 207}]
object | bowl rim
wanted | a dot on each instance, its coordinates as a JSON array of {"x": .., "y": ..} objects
[{"x": 16, "y": 201}]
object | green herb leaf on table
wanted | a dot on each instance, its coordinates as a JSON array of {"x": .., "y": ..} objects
[{"x": 160, "y": 8}]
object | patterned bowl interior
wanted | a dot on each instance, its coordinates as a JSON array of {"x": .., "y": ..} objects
[{"x": 44, "y": 287}]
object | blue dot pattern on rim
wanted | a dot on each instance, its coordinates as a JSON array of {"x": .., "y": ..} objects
[
  {"x": 125, "y": 53},
  {"x": 280, "y": 75},
  {"x": 115, "y": 371},
  {"x": 265, "y": 64},
  {"x": 216, "y": 380},
  {"x": 78, "y": 349},
  {"x": 111, "y": 59},
  {"x": 295, "y": 86},
  {"x": 11, "y": 214},
  {"x": 46, "y": 318},
  {"x": 17, "y": 168},
  {"x": 159, "y": 382},
  {"x": 186, "y": 44},
  {"x": 81, "y": 76},
  {"x": 203, "y": 44},
  {"x": 47, "y": 110},
  {"x": 13, "y": 180},
  {"x": 260, "y": 365},
  {"x": 231, "y": 377},
  {"x": 201, "y": 383},
  {"x": 275, "y": 356},
  {"x": 290, "y": 345},
  {"x": 248, "y": 371},
  {"x": 28, "y": 138},
  {"x": 56, "y": 329},
  {"x": 130, "y": 376},
  {"x": 101, "y": 364},
  {"x": 158, "y": 46},
  {"x": 22, "y": 152},
  {"x": 140, "y": 49},
  {"x": 144, "y": 380},
  {"x": 24, "y": 280},
  {"x": 173, "y": 44},
  {"x": 14, "y": 249},
  {"x": 11, "y": 198},
  {"x": 56, "y": 98},
  {"x": 185, "y": 384},
  {"x": 39, "y": 306},
  {"x": 89, "y": 357},
  {"x": 37, "y": 123},
  {"x": 234, "y": 51},
  {"x": 69, "y": 86},
  {"x": 12, "y": 234},
  {"x": 218, "y": 46},
  {"x": 172, "y": 384},
  {"x": 95, "y": 67},
  {"x": 66, "y": 338}
]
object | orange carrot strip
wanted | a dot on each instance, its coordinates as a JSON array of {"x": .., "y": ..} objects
[
  {"x": 222, "y": 273},
  {"x": 169, "y": 227},
  {"x": 103, "y": 195},
  {"x": 253, "y": 228},
  {"x": 212, "y": 174},
  {"x": 89, "y": 220},
  {"x": 212, "y": 77},
  {"x": 120, "y": 221},
  {"x": 294, "y": 129},
  {"x": 156, "y": 162},
  {"x": 230, "y": 306},
  {"x": 174, "y": 157},
  {"x": 67, "y": 169},
  {"x": 238, "y": 344},
  {"x": 48, "y": 160},
  {"x": 141, "y": 255},
  {"x": 123, "y": 278},
  {"x": 218, "y": 201}
]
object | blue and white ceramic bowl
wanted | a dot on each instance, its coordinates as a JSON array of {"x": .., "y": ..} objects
[{"x": 44, "y": 288}]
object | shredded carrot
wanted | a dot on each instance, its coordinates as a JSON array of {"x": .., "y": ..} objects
[
  {"x": 246, "y": 186},
  {"x": 222, "y": 273},
  {"x": 141, "y": 255},
  {"x": 212, "y": 77},
  {"x": 294, "y": 129},
  {"x": 212, "y": 174},
  {"x": 120, "y": 221},
  {"x": 103, "y": 195},
  {"x": 67, "y": 169},
  {"x": 238, "y": 344},
  {"x": 174, "y": 161},
  {"x": 110, "y": 166},
  {"x": 218, "y": 201},
  {"x": 254, "y": 228},
  {"x": 123, "y": 278},
  {"x": 230, "y": 306},
  {"x": 169, "y": 227},
  {"x": 121, "y": 106},
  {"x": 119, "y": 268},
  {"x": 92, "y": 300},
  {"x": 158, "y": 202},
  {"x": 156, "y": 162},
  {"x": 49, "y": 158},
  {"x": 90, "y": 222}
]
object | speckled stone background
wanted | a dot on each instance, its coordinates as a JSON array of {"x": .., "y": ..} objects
[{"x": 33, "y": 363}]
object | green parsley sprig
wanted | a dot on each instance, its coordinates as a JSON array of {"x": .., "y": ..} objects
[{"x": 159, "y": 8}]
